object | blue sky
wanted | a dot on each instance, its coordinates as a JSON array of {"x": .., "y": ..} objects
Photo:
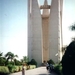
[
  {"x": 67, "y": 20},
  {"x": 13, "y": 25}
]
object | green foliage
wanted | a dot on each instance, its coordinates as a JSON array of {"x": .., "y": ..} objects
[
  {"x": 11, "y": 62},
  {"x": 10, "y": 55},
  {"x": 68, "y": 60},
  {"x": 17, "y": 68},
  {"x": 13, "y": 68},
  {"x": 4, "y": 69},
  {"x": 1, "y": 54},
  {"x": 51, "y": 61},
  {"x": 72, "y": 27},
  {"x": 2, "y": 61},
  {"x": 20, "y": 68},
  {"x": 25, "y": 59},
  {"x": 58, "y": 69},
  {"x": 33, "y": 62},
  {"x": 17, "y": 62},
  {"x": 32, "y": 66},
  {"x": 10, "y": 67}
]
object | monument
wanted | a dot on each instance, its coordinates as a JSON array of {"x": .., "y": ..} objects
[{"x": 45, "y": 31}]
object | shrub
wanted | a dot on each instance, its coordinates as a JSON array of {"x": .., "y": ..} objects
[
  {"x": 11, "y": 68},
  {"x": 28, "y": 63},
  {"x": 58, "y": 69},
  {"x": 4, "y": 70},
  {"x": 20, "y": 68},
  {"x": 51, "y": 61},
  {"x": 17, "y": 69},
  {"x": 32, "y": 62},
  {"x": 32, "y": 66}
]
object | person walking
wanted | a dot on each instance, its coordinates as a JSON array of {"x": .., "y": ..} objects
[{"x": 23, "y": 69}]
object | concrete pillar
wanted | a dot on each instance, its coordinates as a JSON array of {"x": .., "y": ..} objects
[
  {"x": 30, "y": 34},
  {"x": 37, "y": 32},
  {"x": 54, "y": 34},
  {"x": 45, "y": 32}
]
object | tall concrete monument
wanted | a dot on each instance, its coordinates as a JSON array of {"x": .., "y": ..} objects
[{"x": 45, "y": 30}]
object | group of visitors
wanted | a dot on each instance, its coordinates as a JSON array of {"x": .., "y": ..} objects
[{"x": 49, "y": 67}]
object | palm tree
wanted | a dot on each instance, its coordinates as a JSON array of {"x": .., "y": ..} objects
[
  {"x": 15, "y": 56},
  {"x": 10, "y": 55}
]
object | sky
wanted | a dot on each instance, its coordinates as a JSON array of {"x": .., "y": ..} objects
[{"x": 13, "y": 25}]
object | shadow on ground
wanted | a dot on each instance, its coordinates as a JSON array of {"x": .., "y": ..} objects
[{"x": 44, "y": 74}]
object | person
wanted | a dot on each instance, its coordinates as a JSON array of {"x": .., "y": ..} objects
[
  {"x": 47, "y": 66},
  {"x": 51, "y": 67},
  {"x": 23, "y": 69}
]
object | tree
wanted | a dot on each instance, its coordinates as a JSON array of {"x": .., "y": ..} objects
[
  {"x": 72, "y": 27},
  {"x": 17, "y": 62},
  {"x": 14, "y": 57},
  {"x": 68, "y": 60},
  {"x": 2, "y": 59},
  {"x": 21, "y": 60},
  {"x": 10, "y": 55},
  {"x": 25, "y": 59},
  {"x": 1, "y": 54}
]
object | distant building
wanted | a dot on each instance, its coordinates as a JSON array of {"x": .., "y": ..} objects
[{"x": 45, "y": 31}]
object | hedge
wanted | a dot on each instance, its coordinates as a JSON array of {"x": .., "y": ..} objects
[
  {"x": 13, "y": 68},
  {"x": 32, "y": 66},
  {"x": 4, "y": 70},
  {"x": 18, "y": 68}
]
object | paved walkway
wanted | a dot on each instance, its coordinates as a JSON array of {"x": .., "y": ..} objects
[{"x": 37, "y": 71}]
